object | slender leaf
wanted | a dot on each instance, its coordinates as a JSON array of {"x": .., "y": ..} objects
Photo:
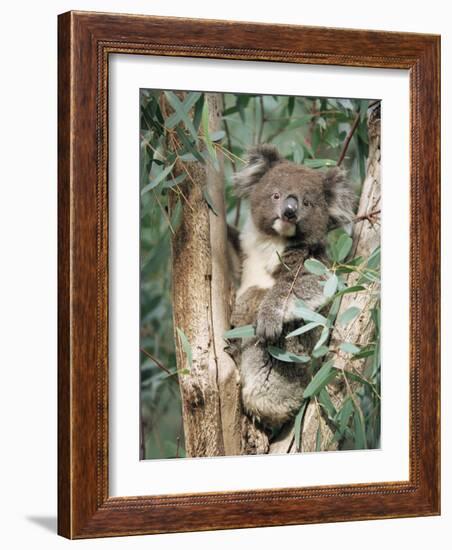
[
  {"x": 330, "y": 286},
  {"x": 348, "y": 347},
  {"x": 175, "y": 181},
  {"x": 303, "y": 329},
  {"x": 359, "y": 429},
  {"x": 181, "y": 110},
  {"x": 217, "y": 136},
  {"x": 351, "y": 289},
  {"x": 205, "y": 127},
  {"x": 319, "y": 163},
  {"x": 321, "y": 351},
  {"x": 308, "y": 315},
  {"x": 160, "y": 177},
  {"x": 323, "y": 338},
  {"x": 245, "y": 331},
  {"x": 189, "y": 146},
  {"x": 343, "y": 247},
  {"x": 298, "y": 425},
  {"x": 326, "y": 403},
  {"x": 209, "y": 200},
  {"x": 343, "y": 416},
  {"x": 185, "y": 345},
  {"x": 349, "y": 315},
  {"x": 287, "y": 356},
  {"x": 324, "y": 376}
]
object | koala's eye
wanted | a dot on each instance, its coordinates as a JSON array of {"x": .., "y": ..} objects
[
  {"x": 306, "y": 202},
  {"x": 276, "y": 196}
]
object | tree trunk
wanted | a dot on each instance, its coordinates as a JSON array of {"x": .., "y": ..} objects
[
  {"x": 366, "y": 236},
  {"x": 201, "y": 309}
]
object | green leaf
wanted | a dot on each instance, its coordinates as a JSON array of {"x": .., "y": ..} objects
[
  {"x": 298, "y": 122},
  {"x": 217, "y": 136},
  {"x": 363, "y": 106},
  {"x": 343, "y": 246},
  {"x": 374, "y": 259},
  {"x": 198, "y": 112},
  {"x": 321, "y": 351},
  {"x": 290, "y": 105},
  {"x": 181, "y": 110},
  {"x": 303, "y": 329},
  {"x": 330, "y": 286},
  {"x": 306, "y": 314},
  {"x": 205, "y": 127},
  {"x": 350, "y": 289},
  {"x": 359, "y": 429},
  {"x": 314, "y": 266},
  {"x": 298, "y": 425},
  {"x": 245, "y": 331},
  {"x": 209, "y": 200},
  {"x": 360, "y": 379},
  {"x": 287, "y": 356},
  {"x": 185, "y": 345},
  {"x": 363, "y": 354},
  {"x": 323, "y": 338},
  {"x": 343, "y": 416},
  {"x": 326, "y": 403},
  {"x": 348, "y": 347},
  {"x": 323, "y": 377},
  {"x": 319, "y": 163},
  {"x": 160, "y": 177},
  {"x": 189, "y": 146},
  {"x": 174, "y": 181},
  {"x": 336, "y": 304},
  {"x": 349, "y": 315}
]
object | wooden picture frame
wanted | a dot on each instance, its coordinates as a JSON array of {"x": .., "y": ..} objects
[{"x": 85, "y": 42}]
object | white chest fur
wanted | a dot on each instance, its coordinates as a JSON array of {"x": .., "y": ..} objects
[{"x": 260, "y": 257}]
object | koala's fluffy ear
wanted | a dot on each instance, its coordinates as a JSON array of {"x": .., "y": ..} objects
[
  {"x": 260, "y": 160},
  {"x": 339, "y": 196}
]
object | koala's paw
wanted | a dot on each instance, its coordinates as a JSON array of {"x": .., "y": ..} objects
[{"x": 269, "y": 326}]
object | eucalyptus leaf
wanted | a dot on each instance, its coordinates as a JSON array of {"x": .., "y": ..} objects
[
  {"x": 209, "y": 200},
  {"x": 348, "y": 315},
  {"x": 323, "y": 377},
  {"x": 185, "y": 345},
  {"x": 330, "y": 286},
  {"x": 321, "y": 351},
  {"x": 351, "y": 289},
  {"x": 160, "y": 177},
  {"x": 319, "y": 163},
  {"x": 343, "y": 247},
  {"x": 315, "y": 266},
  {"x": 189, "y": 146},
  {"x": 303, "y": 329},
  {"x": 298, "y": 424},
  {"x": 326, "y": 403},
  {"x": 287, "y": 356},
  {"x": 245, "y": 331},
  {"x": 309, "y": 315},
  {"x": 323, "y": 338},
  {"x": 348, "y": 347}
]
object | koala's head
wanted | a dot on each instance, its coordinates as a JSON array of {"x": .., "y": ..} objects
[{"x": 292, "y": 200}]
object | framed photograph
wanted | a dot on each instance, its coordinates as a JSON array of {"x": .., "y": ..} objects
[{"x": 248, "y": 275}]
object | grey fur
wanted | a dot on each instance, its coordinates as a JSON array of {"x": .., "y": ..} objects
[{"x": 272, "y": 391}]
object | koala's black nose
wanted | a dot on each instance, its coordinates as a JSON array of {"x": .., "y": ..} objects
[{"x": 289, "y": 209}]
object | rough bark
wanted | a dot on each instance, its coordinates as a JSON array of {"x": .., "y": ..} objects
[
  {"x": 201, "y": 309},
  {"x": 366, "y": 236}
]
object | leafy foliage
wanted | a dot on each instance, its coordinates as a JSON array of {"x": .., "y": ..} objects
[{"x": 174, "y": 127}]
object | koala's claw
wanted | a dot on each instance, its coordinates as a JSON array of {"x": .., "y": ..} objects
[{"x": 268, "y": 328}]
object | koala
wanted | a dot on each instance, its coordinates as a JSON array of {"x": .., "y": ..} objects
[{"x": 291, "y": 209}]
